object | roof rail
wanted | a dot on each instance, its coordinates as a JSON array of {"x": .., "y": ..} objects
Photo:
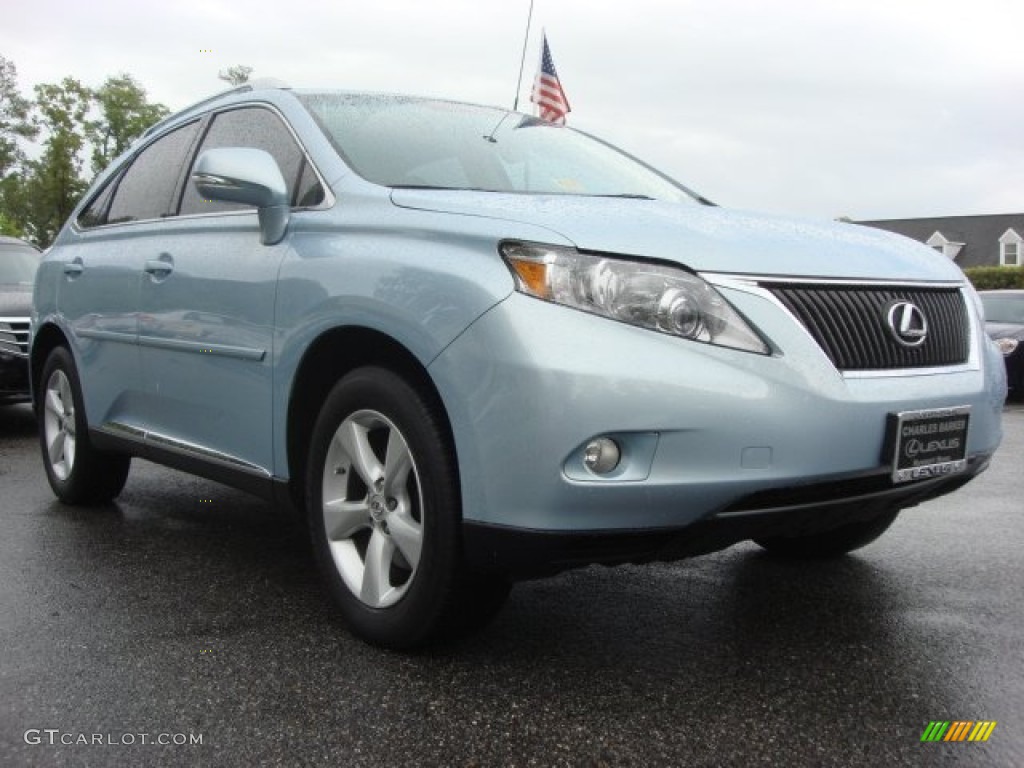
[{"x": 260, "y": 83}]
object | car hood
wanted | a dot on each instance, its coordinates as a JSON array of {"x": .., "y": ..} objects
[
  {"x": 1004, "y": 330},
  {"x": 703, "y": 238},
  {"x": 15, "y": 301}
]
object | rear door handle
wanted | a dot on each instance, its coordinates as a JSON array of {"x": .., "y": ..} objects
[{"x": 74, "y": 268}]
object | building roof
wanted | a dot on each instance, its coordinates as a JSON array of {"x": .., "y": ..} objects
[{"x": 979, "y": 234}]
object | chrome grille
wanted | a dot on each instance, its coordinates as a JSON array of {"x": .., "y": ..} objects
[
  {"x": 14, "y": 336},
  {"x": 850, "y": 323}
]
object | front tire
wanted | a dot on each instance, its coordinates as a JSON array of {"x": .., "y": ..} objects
[
  {"x": 384, "y": 512},
  {"x": 832, "y": 543},
  {"x": 78, "y": 473}
]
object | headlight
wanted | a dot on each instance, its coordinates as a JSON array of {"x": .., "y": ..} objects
[
  {"x": 664, "y": 299},
  {"x": 1007, "y": 346}
]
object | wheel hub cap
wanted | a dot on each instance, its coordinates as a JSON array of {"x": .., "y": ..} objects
[{"x": 378, "y": 508}]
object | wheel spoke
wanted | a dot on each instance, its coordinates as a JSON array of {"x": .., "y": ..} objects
[
  {"x": 343, "y": 518},
  {"x": 377, "y": 568},
  {"x": 408, "y": 537},
  {"x": 53, "y": 403},
  {"x": 69, "y": 450},
  {"x": 57, "y": 448},
  {"x": 65, "y": 393},
  {"x": 397, "y": 464},
  {"x": 355, "y": 441}
]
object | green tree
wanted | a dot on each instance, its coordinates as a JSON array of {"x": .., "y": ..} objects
[
  {"x": 14, "y": 205},
  {"x": 54, "y": 181},
  {"x": 75, "y": 122},
  {"x": 15, "y": 126},
  {"x": 124, "y": 115},
  {"x": 236, "y": 75},
  {"x": 14, "y": 119}
]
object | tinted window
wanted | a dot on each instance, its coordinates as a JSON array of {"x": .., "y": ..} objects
[
  {"x": 310, "y": 192},
  {"x": 257, "y": 129},
  {"x": 95, "y": 213},
  {"x": 147, "y": 187},
  {"x": 18, "y": 263}
]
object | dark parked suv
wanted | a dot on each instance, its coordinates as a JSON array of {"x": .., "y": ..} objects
[
  {"x": 18, "y": 264},
  {"x": 1004, "y": 323}
]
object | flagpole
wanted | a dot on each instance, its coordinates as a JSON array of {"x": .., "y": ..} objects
[{"x": 522, "y": 60}]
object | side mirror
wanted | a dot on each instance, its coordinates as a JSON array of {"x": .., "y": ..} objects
[{"x": 250, "y": 177}]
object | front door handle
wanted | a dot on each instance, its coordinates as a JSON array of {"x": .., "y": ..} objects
[{"x": 161, "y": 267}]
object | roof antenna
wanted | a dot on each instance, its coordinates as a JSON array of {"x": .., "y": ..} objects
[
  {"x": 490, "y": 136},
  {"x": 519, "y": 83},
  {"x": 522, "y": 61}
]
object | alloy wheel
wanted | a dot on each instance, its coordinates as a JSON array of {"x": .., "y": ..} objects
[
  {"x": 372, "y": 508},
  {"x": 59, "y": 424}
]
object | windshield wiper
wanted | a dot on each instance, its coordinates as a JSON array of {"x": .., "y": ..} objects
[
  {"x": 445, "y": 189},
  {"x": 626, "y": 196},
  {"x": 415, "y": 186}
]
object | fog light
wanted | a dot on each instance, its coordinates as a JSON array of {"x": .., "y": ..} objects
[
  {"x": 601, "y": 456},
  {"x": 1007, "y": 346}
]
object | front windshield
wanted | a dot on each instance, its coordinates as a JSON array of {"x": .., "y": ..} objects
[
  {"x": 399, "y": 141},
  {"x": 18, "y": 264},
  {"x": 1004, "y": 309}
]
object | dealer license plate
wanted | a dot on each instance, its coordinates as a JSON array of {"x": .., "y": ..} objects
[{"x": 924, "y": 444}]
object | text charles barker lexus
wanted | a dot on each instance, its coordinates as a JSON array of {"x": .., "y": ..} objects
[{"x": 473, "y": 347}]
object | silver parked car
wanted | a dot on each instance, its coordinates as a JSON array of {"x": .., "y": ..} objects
[{"x": 472, "y": 347}]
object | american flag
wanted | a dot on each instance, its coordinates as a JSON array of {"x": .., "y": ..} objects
[{"x": 547, "y": 90}]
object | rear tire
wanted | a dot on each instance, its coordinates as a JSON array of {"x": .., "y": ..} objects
[
  {"x": 78, "y": 473},
  {"x": 832, "y": 543},
  {"x": 385, "y": 517}
]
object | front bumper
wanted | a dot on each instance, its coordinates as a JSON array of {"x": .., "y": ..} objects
[
  {"x": 704, "y": 427},
  {"x": 14, "y": 384},
  {"x": 523, "y": 553}
]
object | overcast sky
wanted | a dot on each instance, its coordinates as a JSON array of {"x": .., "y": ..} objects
[{"x": 864, "y": 108}]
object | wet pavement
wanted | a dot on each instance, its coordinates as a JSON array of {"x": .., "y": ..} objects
[{"x": 189, "y": 610}]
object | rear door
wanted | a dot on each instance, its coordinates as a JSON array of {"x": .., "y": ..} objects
[{"x": 98, "y": 292}]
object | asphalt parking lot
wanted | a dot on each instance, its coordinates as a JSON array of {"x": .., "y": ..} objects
[{"x": 188, "y": 609}]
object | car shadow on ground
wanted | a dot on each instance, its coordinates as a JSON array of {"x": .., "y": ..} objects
[
  {"x": 17, "y": 421},
  {"x": 196, "y": 547}
]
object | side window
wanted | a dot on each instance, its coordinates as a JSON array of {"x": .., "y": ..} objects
[
  {"x": 256, "y": 128},
  {"x": 95, "y": 214},
  {"x": 310, "y": 192},
  {"x": 146, "y": 189}
]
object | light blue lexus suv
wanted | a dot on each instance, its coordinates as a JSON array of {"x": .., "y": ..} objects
[{"x": 472, "y": 347}]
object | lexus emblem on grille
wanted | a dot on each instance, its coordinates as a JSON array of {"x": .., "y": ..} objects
[{"x": 907, "y": 323}]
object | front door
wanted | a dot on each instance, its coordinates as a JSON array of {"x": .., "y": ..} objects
[
  {"x": 206, "y": 338},
  {"x": 206, "y": 322}
]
